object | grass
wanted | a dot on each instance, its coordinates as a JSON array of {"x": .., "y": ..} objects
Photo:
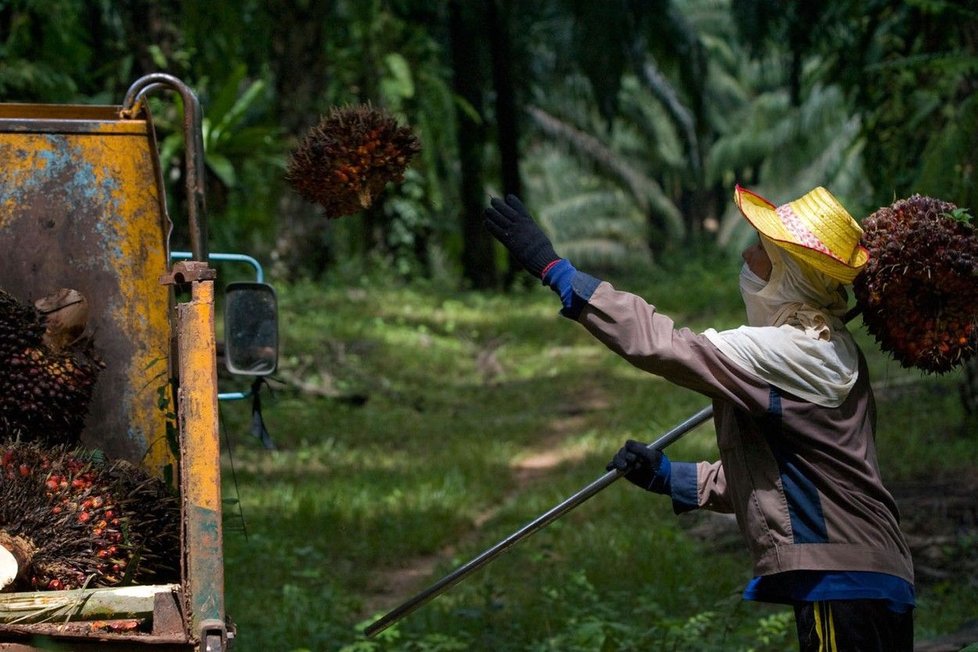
[{"x": 459, "y": 387}]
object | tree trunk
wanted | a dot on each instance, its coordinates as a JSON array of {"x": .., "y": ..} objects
[
  {"x": 299, "y": 67},
  {"x": 478, "y": 263},
  {"x": 969, "y": 386},
  {"x": 507, "y": 124}
]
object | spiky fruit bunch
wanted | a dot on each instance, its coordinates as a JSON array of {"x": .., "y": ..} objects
[
  {"x": 919, "y": 291},
  {"x": 21, "y": 325},
  {"x": 44, "y": 391},
  {"x": 76, "y": 520},
  {"x": 344, "y": 162}
]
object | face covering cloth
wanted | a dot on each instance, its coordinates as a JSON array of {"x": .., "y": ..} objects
[{"x": 795, "y": 338}]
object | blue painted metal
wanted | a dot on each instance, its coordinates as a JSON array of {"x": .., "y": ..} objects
[{"x": 241, "y": 258}]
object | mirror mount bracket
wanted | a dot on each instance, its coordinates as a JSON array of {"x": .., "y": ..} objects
[{"x": 188, "y": 271}]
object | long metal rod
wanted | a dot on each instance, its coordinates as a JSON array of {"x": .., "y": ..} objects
[{"x": 538, "y": 523}]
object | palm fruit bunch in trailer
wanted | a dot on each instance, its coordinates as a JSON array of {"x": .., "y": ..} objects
[
  {"x": 51, "y": 367},
  {"x": 74, "y": 520},
  {"x": 110, "y": 507}
]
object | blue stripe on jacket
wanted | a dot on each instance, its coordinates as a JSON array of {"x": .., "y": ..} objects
[{"x": 801, "y": 494}]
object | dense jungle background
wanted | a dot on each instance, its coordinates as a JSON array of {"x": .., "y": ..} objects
[{"x": 429, "y": 400}]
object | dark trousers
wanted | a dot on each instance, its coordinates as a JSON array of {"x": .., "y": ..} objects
[{"x": 853, "y": 626}]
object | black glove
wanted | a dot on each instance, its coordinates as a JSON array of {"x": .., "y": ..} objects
[
  {"x": 638, "y": 462},
  {"x": 512, "y": 225}
]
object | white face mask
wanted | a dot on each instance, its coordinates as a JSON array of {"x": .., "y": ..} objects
[
  {"x": 789, "y": 288},
  {"x": 759, "y": 312},
  {"x": 808, "y": 352}
]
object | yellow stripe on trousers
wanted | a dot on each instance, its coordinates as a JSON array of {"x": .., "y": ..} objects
[{"x": 825, "y": 627}]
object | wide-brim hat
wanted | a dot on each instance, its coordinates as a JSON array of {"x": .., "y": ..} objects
[{"x": 816, "y": 229}]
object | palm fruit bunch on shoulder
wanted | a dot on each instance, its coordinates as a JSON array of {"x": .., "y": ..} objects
[
  {"x": 73, "y": 520},
  {"x": 344, "y": 162},
  {"x": 49, "y": 373},
  {"x": 919, "y": 291}
]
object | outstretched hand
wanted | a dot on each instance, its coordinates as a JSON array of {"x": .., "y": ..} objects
[
  {"x": 637, "y": 462},
  {"x": 510, "y": 223}
]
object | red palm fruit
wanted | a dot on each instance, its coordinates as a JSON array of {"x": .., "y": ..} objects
[
  {"x": 100, "y": 516},
  {"x": 919, "y": 291},
  {"x": 346, "y": 160}
]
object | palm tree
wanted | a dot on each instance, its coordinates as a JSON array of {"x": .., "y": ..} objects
[{"x": 674, "y": 154}]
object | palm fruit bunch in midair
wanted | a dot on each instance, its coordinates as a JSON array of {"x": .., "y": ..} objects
[
  {"x": 919, "y": 291},
  {"x": 72, "y": 519},
  {"x": 345, "y": 161},
  {"x": 48, "y": 368}
]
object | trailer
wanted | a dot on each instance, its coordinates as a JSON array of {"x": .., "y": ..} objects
[{"x": 82, "y": 205}]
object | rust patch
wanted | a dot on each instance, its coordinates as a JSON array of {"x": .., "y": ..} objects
[{"x": 83, "y": 208}]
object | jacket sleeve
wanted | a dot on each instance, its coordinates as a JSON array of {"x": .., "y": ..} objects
[
  {"x": 699, "y": 485},
  {"x": 649, "y": 340}
]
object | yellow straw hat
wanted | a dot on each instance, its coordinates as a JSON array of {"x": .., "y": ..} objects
[{"x": 816, "y": 229}]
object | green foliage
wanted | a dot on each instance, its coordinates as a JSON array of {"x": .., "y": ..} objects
[
  {"x": 663, "y": 106},
  {"x": 244, "y": 157},
  {"x": 43, "y": 53},
  {"x": 675, "y": 149},
  {"x": 908, "y": 70},
  {"x": 961, "y": 215},
  {"x": 617, "y": 170},
  {"x": 949, "y": 160},
  {"x": 590, "y": 223}
]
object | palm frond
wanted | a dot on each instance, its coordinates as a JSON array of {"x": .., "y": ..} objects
[
  {"x": 663, "y": 91},
  {"x": 591, "y": 222},
  {"x": 792, "y": 149},
  {"x": 761, "y": 127},
  {"x": 645, "y": 191}
]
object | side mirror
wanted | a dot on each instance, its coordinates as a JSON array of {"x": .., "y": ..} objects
[{"x": 250, "y": 329}]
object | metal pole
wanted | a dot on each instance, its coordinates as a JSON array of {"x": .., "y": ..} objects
[{"x": 538, "y": 523}]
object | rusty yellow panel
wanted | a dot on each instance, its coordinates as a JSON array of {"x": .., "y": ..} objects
[
  {"x": 82, "y": 206},
  {"x": 200, "y": 472},
  {"x": 198, "y": 395}
]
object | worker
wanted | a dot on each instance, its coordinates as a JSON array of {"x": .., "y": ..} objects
[{"x": 793, "y": 410}]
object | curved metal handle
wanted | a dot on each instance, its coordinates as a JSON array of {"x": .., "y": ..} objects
[{"x": 194, "y": 143}]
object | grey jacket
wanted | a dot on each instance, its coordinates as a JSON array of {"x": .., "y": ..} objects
[{"x": 802, "y": 480}]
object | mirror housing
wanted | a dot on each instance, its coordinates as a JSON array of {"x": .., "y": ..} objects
[{"x": 250, "y": 329}]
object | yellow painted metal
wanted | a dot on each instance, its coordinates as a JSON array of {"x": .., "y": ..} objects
[
  {"x": 82, "y": 206},
  {"x": 200, "y": 452}
]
